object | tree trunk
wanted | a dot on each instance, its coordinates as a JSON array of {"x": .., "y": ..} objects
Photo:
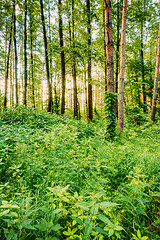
[
  {"x": 85, "y": 90},
  {"x": 109, "y": 46},
  {"x": 153, "y": 111},
  {"x": 16, "y": 55},
  {"x": 122, "y": 68},
  {"x": 62, "y": 57},
  {"x": 142, "y": 69},
  {"x": 50, "y": 99},
  {"x": 32, "y": 61},
  {"x": 90, "y": 107},
  {"x": 7, "y": 67},
  {"x": 25, "y": 55},
  {"x": 74, "y": 67},
  {"x": 117, "y": 55},
  {"x": 50, "y": 39},
  {"x": 105, "y": 62},
  {"x": 11, "y": 77}
]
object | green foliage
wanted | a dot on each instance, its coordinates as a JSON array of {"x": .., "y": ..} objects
[
  {"x": 109, "y": 114},
  {"x": 60, "y": 179},
  {"x": 135, "y": 115}
]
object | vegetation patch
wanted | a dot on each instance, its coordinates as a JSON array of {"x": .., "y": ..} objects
[{"x": 61, "y": 179}]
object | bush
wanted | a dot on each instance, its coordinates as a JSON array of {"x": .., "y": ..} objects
[{"x": 135, "y": 115}]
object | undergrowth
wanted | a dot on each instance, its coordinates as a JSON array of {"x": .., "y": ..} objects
[{"x": 60, "y": 179}]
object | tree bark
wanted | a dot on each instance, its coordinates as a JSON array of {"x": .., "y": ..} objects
[
  {"x": 122, "y": 68},
  {"x": 74, "y": 67},
  {"x": 117, "y": 55},
  {"x": 142, "y": 69},
  {"x": 16, "y": 55},
  {"x": 11, "y": 79},
  {"x": 154, "y": 99},
  {"x": 105, "y": 62},
  {"x": 62, "y": 57},
  {"x": 109, "y": 46},
  {"x": 50, "y": 39},
  {"x": 90, "y": 105},
  {"x": 7, "y": 67},
  {"x": 50, "y": 99},
  {"x": 25, "y": 55},
  {"x": 31, "y": 55}
]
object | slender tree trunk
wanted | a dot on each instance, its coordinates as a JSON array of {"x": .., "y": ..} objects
[
  {"x": 7, "y": 67},
  {"x": 74, "y": 67},
  {"x": 25, "y": 55},
  {"x": 105, "y": 62},
  {"x": 32, "y": 61},
  {"x": 90, "y": 104},
  {"x": 142, "y": 66},
  {"x": 50, "y": 39},
  {"x": 117, "y": 53},
  {"x": 85, "y": 90},
  {"x": 16, "y": 55},
  {"x": 109, "y": 46},
  {"x": 62, "y": 57},
  {"x": 11, "y": 77},
  {"x": 50, "y": 100},
  {"x": 153, "y": 111},
  {"x": 122, "y": 68}
]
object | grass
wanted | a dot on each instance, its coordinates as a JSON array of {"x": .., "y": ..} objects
[{"x": 60, "y": 179}]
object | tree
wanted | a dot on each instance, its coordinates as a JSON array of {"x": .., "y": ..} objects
[
  {"x": 7, "y": 66},
  {"x": 74, "y": 64},
  {"x": 109, "y": 46},
  {"x": 117, "y": 53},
  {"x": 122, "y": 68},
  {"x": 90, "y": 107},
  {"x": 15, "y": 50},
  {"x": 142, "y": 55},
  {"x": 50, "y": 99},
  {"x": 25, "y": 54},
  {"x": 31, "y": 52},
  {"x": 153, "y": 111},
  {"x": 62, "y": 57},
  {"x": 110, "y": 96}
]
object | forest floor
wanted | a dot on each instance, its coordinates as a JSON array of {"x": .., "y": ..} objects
[{"x": 60, "y": 179}]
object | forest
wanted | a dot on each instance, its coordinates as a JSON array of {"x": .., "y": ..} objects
[{"x": 79, "y": 119}]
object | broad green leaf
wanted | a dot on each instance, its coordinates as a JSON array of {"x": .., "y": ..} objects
[
  {"x": 108, "y": 204},
  {"x": 119, "y": 228},
  {"x": 26, "y": 224},
  {"x": 9, "y": 221},
  {"x": 83, "y": 205},
  {"x": 144, "y": 238},
  {"x": 139, "y": 234},
  {"x": 58, "y": 210},
  {"x": 100, "y": 230},
  {"x": 4, "y": 212},
  {"x": 65, "y": 188},
  {"x": 111, "y": 232},
  {"x": 10, "y": 234},
  {"x": 135, "y": 237},
  {"x": 78, "y": 220},
  {"x": 106, "y": 220},
  {"x": 56, "y": 227},
  {"x": 88, "y": 228},
  {"x": 141, "y": 211},
  {"x": 44, "y": 225},
  {"x": 44, "y": 209},
  {"x": 66, "y": 233}
]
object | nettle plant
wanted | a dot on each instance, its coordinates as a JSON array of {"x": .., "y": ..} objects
[{"x": 62, "y": 216}]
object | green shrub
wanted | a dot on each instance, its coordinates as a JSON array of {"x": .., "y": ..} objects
[{"x": 135, "y": 115}]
